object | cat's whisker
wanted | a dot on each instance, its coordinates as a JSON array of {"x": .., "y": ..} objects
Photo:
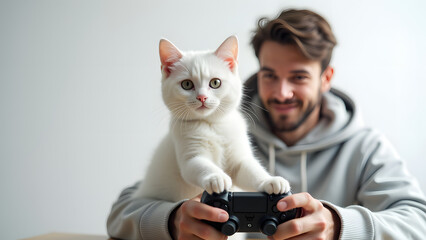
[
  {"x": 221, "y": 110},
  {"x": 250, "y": 111},
  {"x": 254, "y": 104},
  {"x": 179, "y": 116},
  {"x": 176, "y": 111},
  {"x": 248, "y": 116},
  {"x": 184, "y": 118}
]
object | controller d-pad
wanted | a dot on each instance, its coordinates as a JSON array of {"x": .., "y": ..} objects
[{"x": 221, "y": 205}]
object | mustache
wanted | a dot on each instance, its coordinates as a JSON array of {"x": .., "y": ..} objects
[{"x": 287, "y": 101}]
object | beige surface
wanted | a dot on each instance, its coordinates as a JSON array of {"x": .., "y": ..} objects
[{"x": 67, "y": 236}]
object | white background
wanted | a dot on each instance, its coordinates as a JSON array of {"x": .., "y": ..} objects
[{"x": 80, "y": 104}]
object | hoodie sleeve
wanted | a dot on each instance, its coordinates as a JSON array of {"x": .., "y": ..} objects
[
  {"x": 139, "y": 218},
  {"x": 391, "y": 204}
]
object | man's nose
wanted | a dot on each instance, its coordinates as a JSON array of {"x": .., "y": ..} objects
[{"x": 284, "y": 90}]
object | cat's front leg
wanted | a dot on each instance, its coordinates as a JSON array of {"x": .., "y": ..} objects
[
  {"x": 274, "y": 184},
  {"x": 252, "y": 175},
  {"x": 202, "y": 172},
  {"x": 216, "y": 182}
]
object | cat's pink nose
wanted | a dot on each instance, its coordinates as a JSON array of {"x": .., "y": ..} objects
[{"x": 202, "y": 98}]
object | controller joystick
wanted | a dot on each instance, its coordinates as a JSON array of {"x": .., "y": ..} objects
[
  {"x": 269, "y": 227},
  {"x": 249, "y": 211},
  {"x": 229, "y": 228}
]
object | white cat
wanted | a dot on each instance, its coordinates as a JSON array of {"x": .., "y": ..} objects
[{"x": 207, "y": 147}]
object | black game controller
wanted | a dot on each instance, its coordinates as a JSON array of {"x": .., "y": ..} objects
[{"x": 249, "y": 211}]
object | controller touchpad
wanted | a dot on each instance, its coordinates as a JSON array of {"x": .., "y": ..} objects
[{"x": 247, "y": 202}]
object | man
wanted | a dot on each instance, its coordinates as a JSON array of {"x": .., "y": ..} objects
[{"x": 346, "y": 177}]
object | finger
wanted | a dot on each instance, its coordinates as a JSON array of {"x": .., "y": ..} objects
[
  {"x": 307, "y": 236},
  {"x": 194, "y": 229},
  {"x": 299, "y": 200},
  {"x": 189, "y": 237},
  {"x": 301, "y": 237},
  {"x": 292, "y": 228},
  {"x": 203, "y": 211},
  {"x": 209, "y": 233}
]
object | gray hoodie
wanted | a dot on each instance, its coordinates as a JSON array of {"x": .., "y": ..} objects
[{"x": 349, "y": 167}]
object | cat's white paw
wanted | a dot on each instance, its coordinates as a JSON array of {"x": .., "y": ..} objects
[
  {"x": 277, "y": 185},
  {"x": 216, "y": 182}
]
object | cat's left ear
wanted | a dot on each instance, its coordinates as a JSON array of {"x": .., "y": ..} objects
[{"x": 228, "y": 51}]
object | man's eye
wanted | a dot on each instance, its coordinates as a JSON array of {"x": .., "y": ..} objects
[
  {"x": 268, "y": 76},
  {"x": 299, "y": 78}
]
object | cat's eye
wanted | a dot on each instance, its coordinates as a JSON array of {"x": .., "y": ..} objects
[
  {"x": 187, "y": 84},
  {"x": 215, "y": 83}
]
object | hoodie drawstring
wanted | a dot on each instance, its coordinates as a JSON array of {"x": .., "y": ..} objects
[
  {"x": 303, "y": 175},
  {"x": 271, "y": 159},
  {"x": 303, "y": 171}
]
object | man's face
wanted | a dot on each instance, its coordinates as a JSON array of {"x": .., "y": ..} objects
[{"x": 290, "y": 86}]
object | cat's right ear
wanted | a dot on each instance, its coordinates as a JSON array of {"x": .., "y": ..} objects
[
  {"x": 228, "y": 51},
  {"x": 169, "y": 54}
]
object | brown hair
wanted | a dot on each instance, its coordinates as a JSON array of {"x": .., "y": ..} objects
[{"x": 303, "y": 28}]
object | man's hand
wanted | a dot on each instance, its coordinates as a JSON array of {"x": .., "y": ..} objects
[
  {"x": 186, "y": 223},
  {"x": 316, "y": 222}
]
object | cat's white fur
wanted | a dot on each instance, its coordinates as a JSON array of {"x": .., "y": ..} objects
[{"x": 207, "y": 148}]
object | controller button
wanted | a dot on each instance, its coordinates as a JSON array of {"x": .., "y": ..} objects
[
  {"x": 283, "y": 217},
  {"x": 275, "y": 209},
  {"x": 269, "y": 227},
  {"x": 224, "y": 207}
]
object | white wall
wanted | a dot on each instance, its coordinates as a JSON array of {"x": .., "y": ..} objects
[{"x": 80, "y": 105}]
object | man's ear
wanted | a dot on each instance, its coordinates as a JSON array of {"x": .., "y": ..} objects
[{"x": 326, "y": 77}]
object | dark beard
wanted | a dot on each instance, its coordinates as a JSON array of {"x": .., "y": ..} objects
[{"x": 289, "y": 128}]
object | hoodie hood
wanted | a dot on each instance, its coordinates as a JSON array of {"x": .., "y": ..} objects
[{"x": 339, "y": 120}]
